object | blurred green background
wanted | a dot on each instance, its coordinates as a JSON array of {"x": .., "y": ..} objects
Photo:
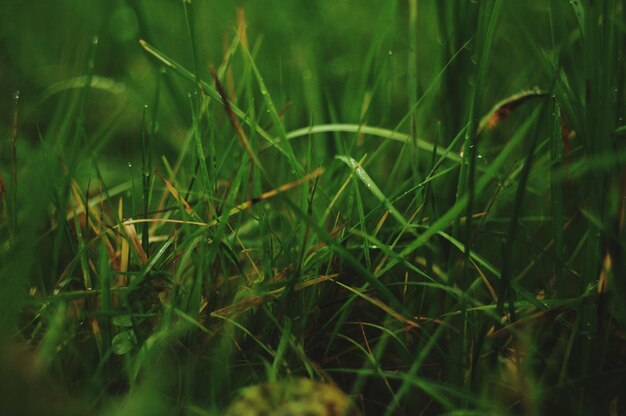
[{"x": 319, "y": 56}]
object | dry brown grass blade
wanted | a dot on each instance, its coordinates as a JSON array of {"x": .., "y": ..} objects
[
  {"x": 243, "y": 39},
  {"x": 283, "y": 188},
  {"x": 503, "y": 108},
  {"x": 131, "y": 232},
  {"x": 391, "y": 312},
  {"x": 252, "y": 301},
  {"x": 175, "y": 194},
  {"x": 233, "y": 120},
  {"x": 94, "y": 222},
  {"x": 124, "y": 247},
  {"x": 242, "y": 26},
  {"x": 97, "y": 332},
  {"x": 381, "y": 222},
  {"x": 244, "y": 205},
  {"x": 605, "y": 272},
  {"x": 128, "y": 225},
  {"x": 485, "y": 280}
]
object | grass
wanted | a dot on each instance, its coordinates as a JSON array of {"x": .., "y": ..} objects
[{"x": 418, "y": 202}]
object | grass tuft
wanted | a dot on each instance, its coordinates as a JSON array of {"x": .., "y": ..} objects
[{"x": 320, "y": 208}]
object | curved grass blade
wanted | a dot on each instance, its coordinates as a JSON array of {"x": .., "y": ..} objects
[
  {"x": 504, "y": 107},
  {"x": 372, "y": 131}
]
